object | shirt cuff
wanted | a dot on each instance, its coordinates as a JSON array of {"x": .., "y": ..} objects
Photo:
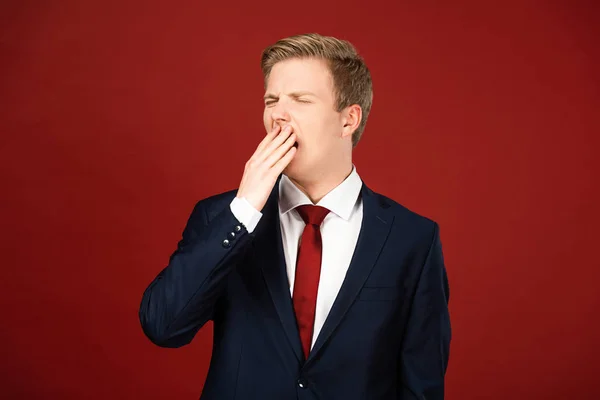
[{"x": 245, "y": 213}]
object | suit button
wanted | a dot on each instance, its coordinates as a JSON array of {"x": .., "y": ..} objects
[
  {"x": 226, "y": 244},
  {"x": 237, "y": 228},
  {"x": 302, "y": 383},
  {"x": 231, "y": 235}
]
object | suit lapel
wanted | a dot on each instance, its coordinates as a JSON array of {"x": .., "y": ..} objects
[
  {"x": 269, "y": 254},
  {"x": 268, "y": 245},
  {"x": 374, "y": 231}
]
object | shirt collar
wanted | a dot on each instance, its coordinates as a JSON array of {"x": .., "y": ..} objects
[{"x": 340, "y": 200}]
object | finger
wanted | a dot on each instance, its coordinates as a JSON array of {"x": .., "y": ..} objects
[
  {"x": 268, "y": 139},
  {"x": 283, "y": 161},
  {"x": 277, "y": 141},
  {"x": 281, "y": 151},
  {"x": 275, "y": 130}
]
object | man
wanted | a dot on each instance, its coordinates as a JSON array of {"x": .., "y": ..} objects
[{"x": 319, "y": 288}]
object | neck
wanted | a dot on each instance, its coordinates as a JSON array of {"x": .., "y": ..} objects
[{"x": 319, "y": 186}]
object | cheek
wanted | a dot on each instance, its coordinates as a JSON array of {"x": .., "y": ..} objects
[
  {"x": 267, "y": 119},
  {"x": 321, "y": 125}
]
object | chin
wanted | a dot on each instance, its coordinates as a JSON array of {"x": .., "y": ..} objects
[
  {"x": 290, "y": 170},
  {"x": 293, "y": 169},
  {"x": 297, "y": 170}
]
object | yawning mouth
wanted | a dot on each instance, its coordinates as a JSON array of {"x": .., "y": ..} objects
[{"x": 296, "y": 144}]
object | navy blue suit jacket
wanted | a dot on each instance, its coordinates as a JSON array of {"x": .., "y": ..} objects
[{"x": 387, "y": 335}]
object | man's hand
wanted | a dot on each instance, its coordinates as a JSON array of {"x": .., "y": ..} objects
[{"x": 269, "y": 160}]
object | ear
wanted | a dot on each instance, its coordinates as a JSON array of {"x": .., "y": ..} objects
[{"x": 351, "y": 117}]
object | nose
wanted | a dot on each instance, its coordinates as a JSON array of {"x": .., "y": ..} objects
[{"x": 279, "y": 114}]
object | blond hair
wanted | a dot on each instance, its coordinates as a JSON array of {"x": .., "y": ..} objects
[{"x": 351, "y": 78}]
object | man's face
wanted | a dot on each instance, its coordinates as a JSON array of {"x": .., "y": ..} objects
[{"x": 300, "y": 93}]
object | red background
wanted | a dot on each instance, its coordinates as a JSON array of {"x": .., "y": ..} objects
[{"x": 116, "y": 117}]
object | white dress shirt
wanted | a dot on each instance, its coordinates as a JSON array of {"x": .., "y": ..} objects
[{"x": 339, "y": 233}]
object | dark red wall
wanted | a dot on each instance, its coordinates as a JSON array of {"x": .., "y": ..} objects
[{"x": 117, "y": 116}]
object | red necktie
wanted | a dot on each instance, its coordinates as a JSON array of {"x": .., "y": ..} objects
[{"x": 308, "y": 271}]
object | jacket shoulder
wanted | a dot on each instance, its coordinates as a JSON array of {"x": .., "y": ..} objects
[{"x": 419, "y": 225}]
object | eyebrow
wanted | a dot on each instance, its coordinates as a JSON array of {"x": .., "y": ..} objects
[{"x": 270, "y": 96}]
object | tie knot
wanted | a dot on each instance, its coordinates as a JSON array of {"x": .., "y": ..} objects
[{"x": 313, "y": 215}]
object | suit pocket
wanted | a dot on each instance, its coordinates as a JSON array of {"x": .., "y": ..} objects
[{"x": 386, "y": 293}]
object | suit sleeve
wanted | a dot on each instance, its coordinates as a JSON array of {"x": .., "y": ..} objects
[
  {"x": 426, "y": 343},
  {"x": 183, "y": 297}
]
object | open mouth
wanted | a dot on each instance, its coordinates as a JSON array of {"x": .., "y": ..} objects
[{"x": 296, "y": 144}]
